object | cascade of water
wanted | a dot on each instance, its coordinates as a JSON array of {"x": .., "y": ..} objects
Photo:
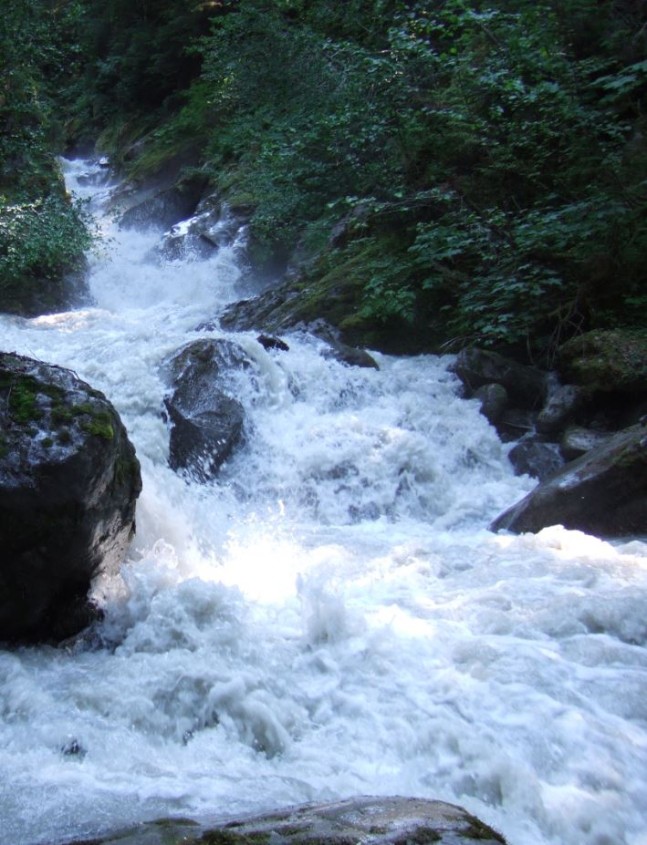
[{"x": 331, "y": 617}]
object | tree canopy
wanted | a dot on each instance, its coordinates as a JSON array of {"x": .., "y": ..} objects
[{"x": 487, "y": 157}]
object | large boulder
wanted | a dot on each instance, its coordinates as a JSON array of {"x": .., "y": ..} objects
[
  {"x": 561, "y": 406},
  {"x": 69, "y": 479},
  {"x": 604, "y": 492},
  {"x": 214, "y": 225},
  {"x": 371, "y": 821},
  {"x": 494, "y": 401},
  {"x": 532, "y": 456},
  {"x": 163, "y": 198},
  {"x": 162, "y": 209},
  {"x": 606, "y": 361},
  {"x": 526, "y": 386},
  {"x": 206, "y": 421}
]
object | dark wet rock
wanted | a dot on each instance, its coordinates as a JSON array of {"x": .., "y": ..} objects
[
  {"x": 273, "y": 311},
  {"x": 562, "y": 404},
  {"x": 163, "y": 209},
  {"x": 526, "y": 385},
  {"x": 206, "y": 421},
  {"x": 494, "y": 400},
  {"x": 606, "y": 361},
  {"x": 535, "y": 458},
  {"x": 336, "y": 348},
  {"x": 69, "y": 479},
  {"x": 366, "y": 820},
  {"x": 279, "y": 309},
  {"x": 515, "y": 423},
  {"x": 604, "y": 492},
  {"x": 216, "y": 222},
  {"x": 214, "y": 225},
  {"x": 268, "y": 342},
  {"x": 73, "y": 748},
  {"x": 350, "y": 355},
  {"x": 179, "y": 243},
  {"x": 163, "y": 199},
  {"x": 576, "y": 441}
]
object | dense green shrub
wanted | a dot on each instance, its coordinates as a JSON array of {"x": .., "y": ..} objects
[
  {"x": 488, "y": 155},
  {"x": 42, "y": 234},
  {"x": 40, "y": 242}
]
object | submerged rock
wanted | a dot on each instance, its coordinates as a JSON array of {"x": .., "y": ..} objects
[
  {"x": 604, "y": 492},
  {"x": 366, "y": 820},
  {"x": 268, "y": 342},
  {"x": 536, "y": 458},
  {"x": 206, "y": 422},
  {"x": 69, "y": 479}
]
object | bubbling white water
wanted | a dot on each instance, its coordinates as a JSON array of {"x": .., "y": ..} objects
[{"x": 331, "y": 617}]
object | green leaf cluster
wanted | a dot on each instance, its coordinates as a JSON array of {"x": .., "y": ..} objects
[
  {"x": 500, "y": 151},
  {"x": 40, "y": 241},
  {"x": 485, "y": 159},
  {"x": 42, "y": 234}
]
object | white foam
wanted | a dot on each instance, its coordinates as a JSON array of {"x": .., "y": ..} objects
[{"x": 330, "y": 618}]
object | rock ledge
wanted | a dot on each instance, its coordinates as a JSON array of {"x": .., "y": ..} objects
[{"x": 365, "y": 820}]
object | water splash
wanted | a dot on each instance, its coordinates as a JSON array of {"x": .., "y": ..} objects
[{"x": 330, "y": 617}]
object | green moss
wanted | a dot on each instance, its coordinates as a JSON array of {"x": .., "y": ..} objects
[
  {"x": 47, "y": 442},
  {"x": 607, "y": 360},
  {"x": 22, "y": 399},
  {"x": 126, "y": 469},
  {"x": 61, "y": 414},
  {"x": 26, "y": 396},
  {"x": 100, "y": 425}
]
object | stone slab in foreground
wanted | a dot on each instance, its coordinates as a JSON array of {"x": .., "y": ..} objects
[{"x": 365, "y": 820}]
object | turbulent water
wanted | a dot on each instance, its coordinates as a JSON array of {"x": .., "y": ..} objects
[{"x": 331, "y": 617}]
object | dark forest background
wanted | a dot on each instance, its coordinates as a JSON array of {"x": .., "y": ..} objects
[{"x": 483, "y": 164}]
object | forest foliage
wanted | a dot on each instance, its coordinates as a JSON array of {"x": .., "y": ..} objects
[
  {"x": 43, "y": 234},
  {"x": 487, "y": 158}
]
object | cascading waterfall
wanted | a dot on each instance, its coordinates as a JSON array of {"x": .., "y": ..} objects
[{"x": 330, "y": 617}]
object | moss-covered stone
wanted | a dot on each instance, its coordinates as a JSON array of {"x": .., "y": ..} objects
[
  {"x": 606, "y": 361},
  {"x": 68, "y": 483},
  {"x": 100, "y": 424}
]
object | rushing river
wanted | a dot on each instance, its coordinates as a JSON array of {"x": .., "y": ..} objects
[{"x": 331, "y": 617}]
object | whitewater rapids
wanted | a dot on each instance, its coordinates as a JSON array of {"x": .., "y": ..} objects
[{"x": 331, "y": 617}]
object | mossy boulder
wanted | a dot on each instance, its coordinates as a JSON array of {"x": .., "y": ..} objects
[
  {"x": 371, "y": 821},
  {"x": 69, "y": 479},
  {"x": 606, "y": 361}
]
